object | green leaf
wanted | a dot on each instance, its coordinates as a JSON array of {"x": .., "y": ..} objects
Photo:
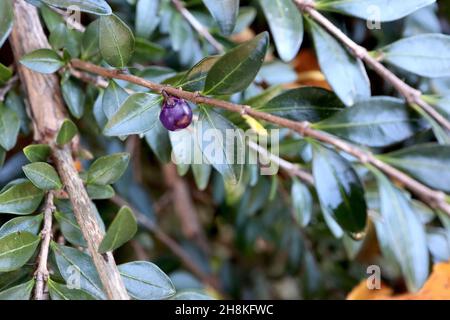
[
  {"x": 225, "y": 12},
  {"x": 368, "y": 9},
  {"x": 286, "y": 25},
  {"x": 195, "y": 78},
  {"x": 222, "y": 144},
  {"x": 74, "y": 263},
  {"x": 42, "y": 175},
  {"x": 74, "y": 95},
  {"x": 22, "y": 198},
  {"x": 6, "y": 19},
  {"x": 145, "y": 281},
  {"x": 5, "y": 74},
  {"x": 43, "y": 61},
  {"x": 403, "y": 232},
  {"x": 99, "y": 192},
  {"x": 339, "y": 189},
  {"x": 60, "y": 291},
  {"x": 66, "y": 133},
  {"x": 302, "y": 203},
  {"x": 159, "y": 141},
  {"x": 16, "y": 249},
  {"x": 19, "y": 292},
  {"x": 236, "y": 69},
  {"x": 116, "y": 41},
  {"x": 345, "y": 74},
  {"x": 70, "y": 228},
  {"x": 21, "y": 224},
  {"x": 304, "y": 104},
  {"x": 99, "y": 7},
  {"x": 122, "y": 229},
  {"x": 427, "y": 55},
  {"x": 373, "y": 122},
  {"x": 146, "y": 17},
  {"x": 428, "y": 163},
  {"x": 37, "y": 152},
  {"x": 108, "y": 169},
  {"x": 113, "y": 97},
  {"x": 90, "y": 41},
  {"x": 202, "y": 173},
  {"x": 9, "y": 127},
  {"x": 138, "y": 114}
]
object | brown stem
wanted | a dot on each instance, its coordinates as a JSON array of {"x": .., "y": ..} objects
[
  {"x": 46, "y": 234},
  {"x": 48, "y": 112},
  {"x": 412, "y": 95},
  {"x": 184, "y": 208},
  {"x": 435, "y": 199},
  {"x": 187, "y": 261},
  {"x": 197, "y": 25}
]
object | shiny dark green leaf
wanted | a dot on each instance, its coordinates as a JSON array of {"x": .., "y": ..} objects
[
  {"x": 108, "y": 169},
  {"x": 368, "y": 9},
  {"x": 6, "y": 19},
  {"x": 37, "y": 152},
  {"x": 427, "y": 55},
  {"x": 116, "y": 41},
  {"x": 225, "y": 12},
  {"x": 404, "y": 233},
  {"x": 70, "y": 228},
  {"x": 138, "y": 114},
  {"x": 72, "y": 262},
  {"x": 146, "y": 17},
  {"x": 122, "y": 229},
  {"x": 74, "y": 96},
  {"x": 304, "y": 104},
  {"x": 60, "y": 291},
  {"x": 302, "y": 203},
  {"x": 16, "y": 249},
  {"x": 286, "y": 25},
  {"x": 113, "y": 98},
  {"x": 42, "y": 175},
  {"x": 235, "y": 70},
  {"x": 99, "y": 192},
  {"x": 428, "y": 163},
  {"x": 66, "y": 133},
  {"x": 19, "y": 292},
  {"x": 345, "y": 74},
  {"x": 43, "y": 61},
  {"x": 99, "y": 7},
  {"x": 22, "y": 198},
  {"x": 145, "y": 281},
  {"x": 339, "y": 189},
  {"x": 27, "y": 224},
  {"x": 9, "y": 127},
  {"x": 374, "y": 122}
]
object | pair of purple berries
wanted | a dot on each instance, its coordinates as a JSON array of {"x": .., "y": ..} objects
[{"x": 176, "y": 114}]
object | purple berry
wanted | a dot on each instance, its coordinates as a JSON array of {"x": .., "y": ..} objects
[{"x": 176, "y": 114}]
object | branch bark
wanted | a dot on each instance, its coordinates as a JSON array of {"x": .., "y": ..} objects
[
  {"x": 48, "y": 112},
  {"x": 46, "y": 233},
  {"x": 412, "y": 95},
  {"x": 434, "y": 198}
]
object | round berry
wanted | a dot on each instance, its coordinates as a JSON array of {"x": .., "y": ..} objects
[{"x": 176, "y": 114}]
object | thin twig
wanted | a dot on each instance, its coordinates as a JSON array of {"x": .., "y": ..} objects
[
  {"x": 412, "y": 95},
  {"x": 435, "y": 199},
  {"x": 290, "y": 168},
  {"x": 201, "y": 29},
  {"x": 46, "y": 234},
  {"x": 184, "y": 257},
  {"x": 287, "y": 166},
  {"x": 8, "y": 86}
]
